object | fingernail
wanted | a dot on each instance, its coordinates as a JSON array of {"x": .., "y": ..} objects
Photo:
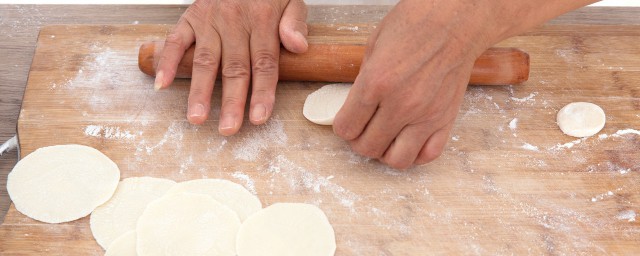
[
  {"x": 258, "y": 113},
  {"x": 196, "y": 111},
  {"x": 158, "y": 83},
  {"x": 227, "y": 122},
  {"x": 303, "y": 38}
]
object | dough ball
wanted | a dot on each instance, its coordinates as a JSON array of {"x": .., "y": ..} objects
[
  {"x": 322, "y": 105},
  {"x": 581, "y": 119},
  {"x": 187, "y": 224},
  {"x": 287, "y": 229},
  {"x": 120, "y": 214},
  {"x": 230, "y": 194},
  {"x": 62, "y": 183},
  {"x": 124, "y": 245}
]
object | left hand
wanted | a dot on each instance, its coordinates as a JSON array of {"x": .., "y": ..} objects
[{"x": 243, "y": 39}]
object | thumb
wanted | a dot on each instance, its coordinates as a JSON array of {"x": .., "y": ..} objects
[{"x": 293, "y": 27}]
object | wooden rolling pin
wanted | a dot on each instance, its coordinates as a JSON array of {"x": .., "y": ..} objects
[{"x": 341, "y": 63}]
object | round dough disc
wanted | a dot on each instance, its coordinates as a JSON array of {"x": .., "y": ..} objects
[
  {"x": 187, "y": 224},
  {"x": 120, "y": 214},
  {"x": 230, "y": 194},
  {"x": 62, "y": 183},
  {"x": 287, "y": 229},
  {"x": 581, "y": 119},
  {"x": 321, "y": 106},
  {"x": 124, "y": 245}
]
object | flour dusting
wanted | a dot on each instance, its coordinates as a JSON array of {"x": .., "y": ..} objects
[
  {"x": 298, "y": 177},
  {"x": 528, "y": 146},
  {"x": 352, "y": 28},
  {"x": 567, "y": 145},
  {"x": 513, "y": 124},
  {"x": 627, "y": 131},
  {"x": 628, "y": 215},
  {"x": 110, "y": 132},
  {"x": 530, "y": 98},
  {"x": 174, "y": 133},
  {"x": 249, "y": 184},
  {"x": 270, "y": 134}
]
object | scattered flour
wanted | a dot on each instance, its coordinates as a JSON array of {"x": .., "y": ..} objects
[
  {"x": 529, "y": 98},
  {"x": 352, "y": 28},
  {"x": 567, "y": 145},
  {"x": 628, "y": 215},
  {"x": 298, "y": 177},
  {"x": 248, "y": 182},
  {"x": 175, "y": 132},
  {"x": 626, "y": 131},
  {"x": 98, "y": 69},
  {"x": 186, "y": 164},
  {"x": 528, "y": 146},
  {"x": 619, "y": 134},
  {"x": 110, "y": 132},
  {"x": 605, "y": 195},
  {"x": 269, "y": 134},
  {"x": 513, "y": 124}
]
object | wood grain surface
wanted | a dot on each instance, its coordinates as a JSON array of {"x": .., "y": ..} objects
[
  {"x": 21, "y": 24},
  {"x": 491, "y": 193}
]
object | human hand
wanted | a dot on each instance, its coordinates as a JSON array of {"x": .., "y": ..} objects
[
  {"x": 404, "y": 101},
  {"x": 243, "y": 38},
  {"x": 402, "y": 106}
]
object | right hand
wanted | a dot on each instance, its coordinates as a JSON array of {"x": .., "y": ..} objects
[{"x": 243, "y": 37}]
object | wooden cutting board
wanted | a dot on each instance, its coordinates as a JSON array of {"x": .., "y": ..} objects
[{"x": 509, "y": 181}]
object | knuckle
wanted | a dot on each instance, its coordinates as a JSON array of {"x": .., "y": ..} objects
[
  {"x": 339, "y": 128},
  {"x": 197, "y": 92},
  {"x": 435, "y": 115},
  {"x": 235, "y": 69},
  {"x": 398, "y": 163},
  {"x": 174, "y": 40},
  {"x": 264, "y": 12},
  {"x": 410, "y": 103},
  {"x": 263, "y": 94},
  {"x": 230, "y": 8},
  {"x": 384, "y": 83},
  {"x": 265, "y": 63},
  {"x": 232, "y": 102},
  {"x": 428, "y": 156},
  {"x": 377, "y": 88},
  {"x": 343, "y": 130},
  {"x": 205, "y": 60},
  {"x": 367, "y": 150}
]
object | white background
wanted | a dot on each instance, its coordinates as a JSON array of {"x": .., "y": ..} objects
[{"x": 602, "y": 3}]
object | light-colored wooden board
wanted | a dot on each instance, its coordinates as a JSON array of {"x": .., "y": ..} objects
[{"x": 501, "y": 186}]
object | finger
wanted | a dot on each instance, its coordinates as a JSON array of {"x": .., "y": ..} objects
[
  {"x": 362, "y": 101},
  {"x": 405, "y": 148},
  {"x": 293, "y": 27},
  {"x": 265, "y": 48},
  {"x": 235, "y": 78},
  {"x": 357, "y": 110},
  {"x": 371, "y": 43},
  {"x": 434, "y": 146},
  {"x": 206, "y": 59},
  {"x": 176, "y": 43},
  {"x": 379, "y": 133}
]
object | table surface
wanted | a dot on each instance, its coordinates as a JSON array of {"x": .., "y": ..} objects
[{"x": 20, "y": 25}]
